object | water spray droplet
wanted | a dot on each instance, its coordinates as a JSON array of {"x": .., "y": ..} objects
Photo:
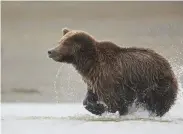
[{"x": 55, "y": 86}]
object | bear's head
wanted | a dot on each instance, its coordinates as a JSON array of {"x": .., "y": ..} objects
[{"x": 73, "y": 46}]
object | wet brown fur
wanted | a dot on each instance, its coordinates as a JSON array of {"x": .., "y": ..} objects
[{"x": 120, "y": 75}]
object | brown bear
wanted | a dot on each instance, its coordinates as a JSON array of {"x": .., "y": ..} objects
[{"x": 118, "y": 76}]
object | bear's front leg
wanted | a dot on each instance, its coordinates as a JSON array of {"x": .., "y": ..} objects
[{"x": 90, "y": 104}]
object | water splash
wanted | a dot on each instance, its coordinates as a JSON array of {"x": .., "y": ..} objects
[
  {"x": 71, "y": 90},
  {"x": 178, "y": 70},
  {"x": 55, "y": 84},
  {"x": 68, "y": 80},
  {"x": 108, "y": 117}
]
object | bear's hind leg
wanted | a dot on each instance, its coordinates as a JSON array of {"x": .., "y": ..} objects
[
  {"x": 161, "y": 101},
  {"x": 164, "y": 103}
]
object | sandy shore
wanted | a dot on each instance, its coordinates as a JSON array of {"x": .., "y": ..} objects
[{"x": 29, "y": 29}]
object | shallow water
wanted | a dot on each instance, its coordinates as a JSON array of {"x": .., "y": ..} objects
[
  {"x": 28, "y": 118},
  {"x": 73, "y": 118}
]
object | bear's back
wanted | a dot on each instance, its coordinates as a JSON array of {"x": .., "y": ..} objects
[{"x": 131, "y": 62}]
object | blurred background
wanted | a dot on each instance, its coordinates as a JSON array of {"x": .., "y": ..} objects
[{"x": 29, "y": 29}]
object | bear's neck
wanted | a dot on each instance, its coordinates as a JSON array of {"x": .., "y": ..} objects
[{"x": 85, "y": 61}]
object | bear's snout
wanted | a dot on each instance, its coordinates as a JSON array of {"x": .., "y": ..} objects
[
  {"x": 55, "y": 55},
  {"x": 52, "y": 53},
  {"x": 49, "y": 52}
]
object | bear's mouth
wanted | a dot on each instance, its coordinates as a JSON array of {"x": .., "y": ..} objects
[{"x": 56, "y": 57}]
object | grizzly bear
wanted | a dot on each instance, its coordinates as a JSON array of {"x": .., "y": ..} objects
[{"x": 118, "y": 76}]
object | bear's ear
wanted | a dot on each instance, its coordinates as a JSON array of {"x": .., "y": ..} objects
[{"x": 65, "y": 30}]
